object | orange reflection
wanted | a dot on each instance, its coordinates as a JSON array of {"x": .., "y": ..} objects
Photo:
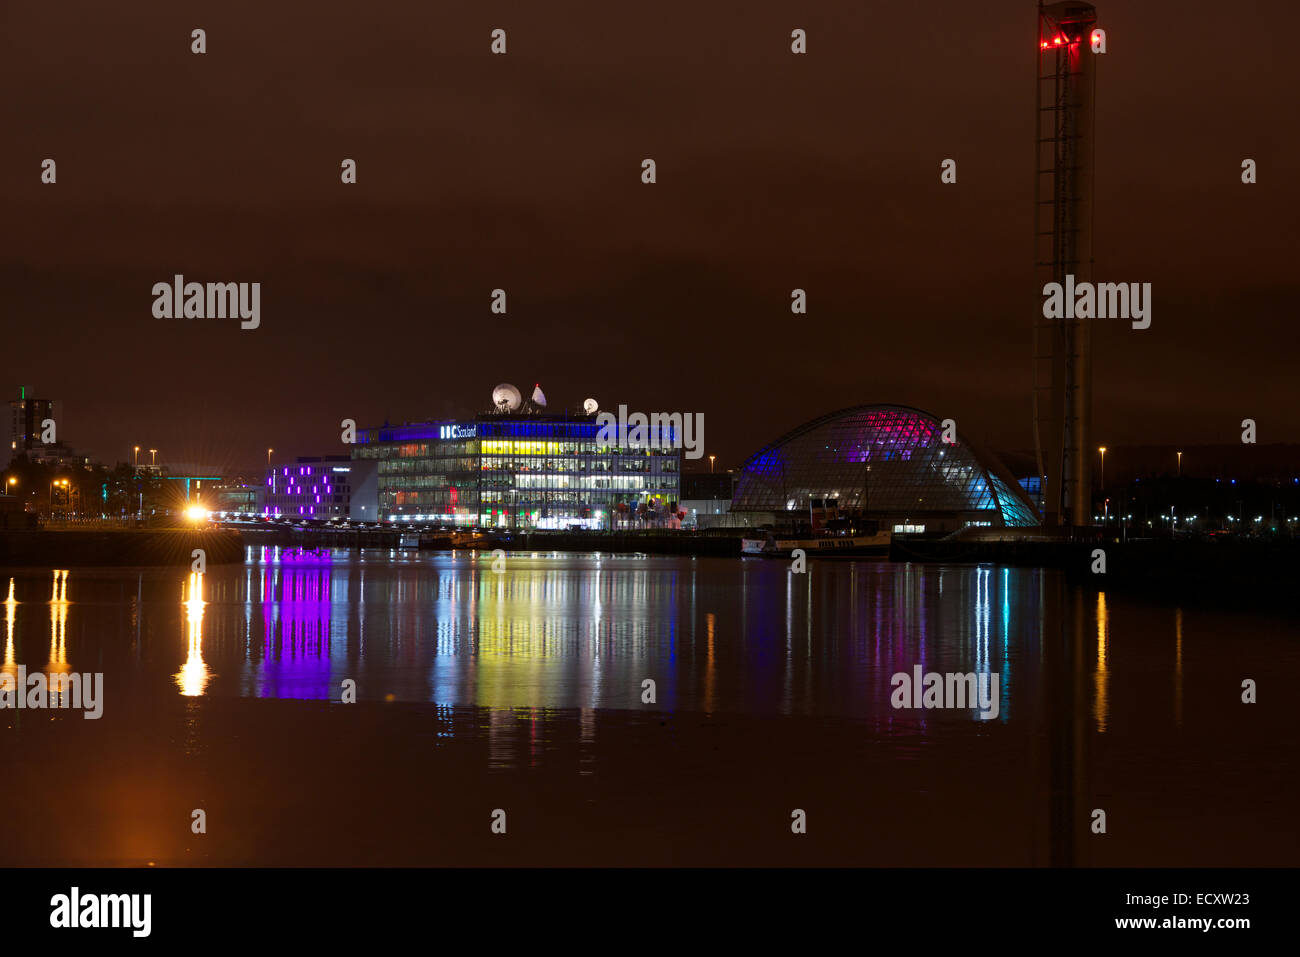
[
  {"x": 58, "y": 632},
  {"x": 11, "y": 609},
  {"x": 193, "y": 676},
  {"x": 1099, "y": 704},
  {"x": 709, "y": 669}
]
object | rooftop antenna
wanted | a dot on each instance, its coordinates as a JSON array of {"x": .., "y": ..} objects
[{"x": 506, "y": 398}]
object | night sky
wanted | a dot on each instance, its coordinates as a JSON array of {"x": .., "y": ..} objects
[{"x": 522, "y": 171}]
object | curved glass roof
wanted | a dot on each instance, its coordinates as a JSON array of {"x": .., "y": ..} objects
[{"x": 888, "y": 458}]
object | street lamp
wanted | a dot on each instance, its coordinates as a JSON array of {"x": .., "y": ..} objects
[
  {"x": 1102, "y": 450},
  {"x": 268, "y": 457},
  {"x": 711, "y": 458},
  {"x": 61, "y": 483},
  {"x": 153, "y": 457},
  {"x": 1180, "y": 464},
  {"x": 137, "y": 456}
]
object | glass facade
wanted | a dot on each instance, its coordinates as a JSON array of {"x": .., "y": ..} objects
[
  {"x": 524, "y": 472},
  {"x": 885, "y": 461}
]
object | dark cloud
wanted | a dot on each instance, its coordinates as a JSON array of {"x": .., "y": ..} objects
[{"x": 775, "y": 172}]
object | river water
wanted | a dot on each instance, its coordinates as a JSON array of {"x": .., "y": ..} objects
[{"x": 517, "y": 696}]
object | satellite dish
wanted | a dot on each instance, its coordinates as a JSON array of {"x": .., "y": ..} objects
[
  {"x": 539, "y": 397},
  {"x": 506, "y": 398},
  {"x": 590, "y": 406}
]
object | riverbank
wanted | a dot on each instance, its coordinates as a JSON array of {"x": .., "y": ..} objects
[{"x": 70, "y": 548}]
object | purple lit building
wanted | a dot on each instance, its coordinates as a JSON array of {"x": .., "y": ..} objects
[{"x": 322, "y": 488}]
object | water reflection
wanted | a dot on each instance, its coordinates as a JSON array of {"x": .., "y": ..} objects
[
  {"x": 58, "y": 663},
  {"x": 765, "y": 679},
  {"x": 710, "y": 666},
  {"x": 193, "y": 677},
  {"x": 584, "y": 632},
  {"x": 1178, "y": 667},
  {"x": 571, "y": 631},
  {"x": 1100, "y": 679},
  {"x": 11, "y": 612}
]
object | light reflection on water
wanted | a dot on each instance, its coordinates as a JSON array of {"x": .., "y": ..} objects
[
  {"x": 770, "y": 686},
  {"x": 194, "y": 676},
  {"x": 58, "y": 658},
  {"x": 577, "y": 631},
  {"x": 11, "y": 614},
  {"x": 1099, "y": 676}
]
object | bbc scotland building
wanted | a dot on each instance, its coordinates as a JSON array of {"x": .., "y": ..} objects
[{"x": 522, "y": 470}]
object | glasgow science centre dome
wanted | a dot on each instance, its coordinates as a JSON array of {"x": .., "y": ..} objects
[{"x": 889, "y": 462}]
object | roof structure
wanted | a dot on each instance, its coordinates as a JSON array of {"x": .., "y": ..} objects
[{"x": 882, "y": 459}]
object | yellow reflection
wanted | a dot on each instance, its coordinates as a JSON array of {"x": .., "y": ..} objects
[
  {"x": 11, "y": 609},
  {"x": 1178, "y": 667},
  {"x": 193, "y": 676},
  {"x": 58, "y": 632},
  {"x": 1099, "y": 704}
]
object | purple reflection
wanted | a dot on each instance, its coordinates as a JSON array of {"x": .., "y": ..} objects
[{"x": 295, "y": 659}]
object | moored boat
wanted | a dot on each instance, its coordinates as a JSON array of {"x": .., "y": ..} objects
[
  {"x": 876, "y": 543},
  {"x": 837, "y": 536}
]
